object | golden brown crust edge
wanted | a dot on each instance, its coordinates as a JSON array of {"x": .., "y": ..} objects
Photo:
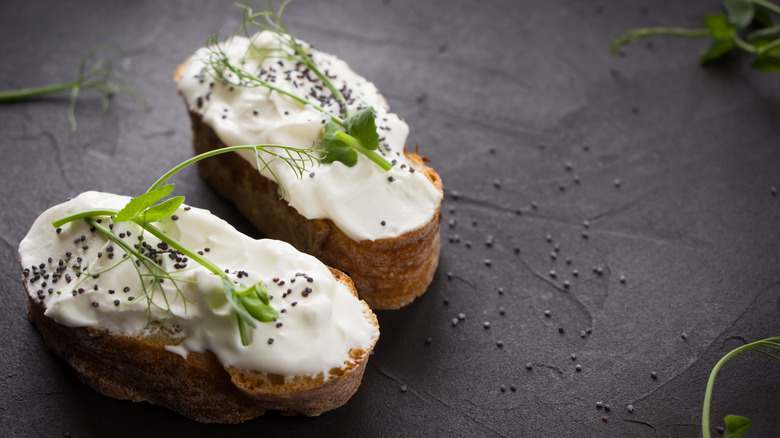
[
  {"x": 199, "y": 387},
  {"x": 388, "y": 273}
]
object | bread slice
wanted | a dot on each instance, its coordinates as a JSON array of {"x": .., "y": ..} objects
[
  {"x": 146, "y": 366},
  {"x": 389, "y": 273}
]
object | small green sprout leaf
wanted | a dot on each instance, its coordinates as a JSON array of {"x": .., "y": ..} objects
[
  {"x": 163, "y": 209},
  {"x": 361, "y": 136},
  {"x": 140, "y": 203},
  {"x": 767, "y": 64},
  {"x": 736, "y": 426},
  {"x": 336, "y": 148},
  {"x": 257, "y": 304},
  {"x": 764, "y": 36},
  {"x": 362, "y": 126},
  {"x": 740, "y": 12},
  {"x": 719, "y": 26},
  {"x": 717, "y": 49}
]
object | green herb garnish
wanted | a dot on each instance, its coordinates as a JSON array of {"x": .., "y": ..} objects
[
  {"x": 345, "y": 134},
  {"x": 735, "y": 424},
  {"x": 250, "y": 302},
  {"x": 746, "y": 25},
  {"x": 96, "y": 72}
]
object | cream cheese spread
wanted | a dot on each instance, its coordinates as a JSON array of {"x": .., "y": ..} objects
[
  {"x": 84, "y": 279},
  {"x": 364, "y": 201}
]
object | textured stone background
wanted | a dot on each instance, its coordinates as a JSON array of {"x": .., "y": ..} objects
[{"x": 501, "y": 96}]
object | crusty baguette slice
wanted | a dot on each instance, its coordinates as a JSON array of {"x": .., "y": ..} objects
[
  {"x": 139, "y": 368},
  {"x": 388, "y": 273}
]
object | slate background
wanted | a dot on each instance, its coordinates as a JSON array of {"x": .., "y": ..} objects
[{"x": 495, "y": 91}]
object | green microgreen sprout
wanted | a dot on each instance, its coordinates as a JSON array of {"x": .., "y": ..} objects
[
  {"x": 250, "y": 302},
  {"x": 344, "y": 135},
  {"x": 96, "y": 72},
  {"x": 736, "y": 425},
  {"x": 746, "y": 25}
]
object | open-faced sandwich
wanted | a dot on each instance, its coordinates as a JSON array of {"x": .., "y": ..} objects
[
  {"x": 160, "y": 302},
  {"x": 369, "y": 207}
]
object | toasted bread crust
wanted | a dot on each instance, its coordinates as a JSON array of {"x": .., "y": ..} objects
[
  {"x": 139, "y": 368},
  {"x": 388, "y": 273}
]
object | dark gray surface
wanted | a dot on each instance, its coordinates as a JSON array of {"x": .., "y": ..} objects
[{"x": 693, "y": 226}]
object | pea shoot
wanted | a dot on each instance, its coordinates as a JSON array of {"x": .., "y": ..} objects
[
  {"x": 250, "y": 302},
  {"x": 345, "y": 134},
  {"x": 96, "y": 72},
  {"x": 746, "y": 25}
]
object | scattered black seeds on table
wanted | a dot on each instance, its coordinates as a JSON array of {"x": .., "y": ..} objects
[
  {"x": 270, "y": 341},
  {"x": 575, "y": 272},
  {"x": 461, "y": 316},
  {"x": 500, "y": 344},
  {"x": 529, "y": 366},
  {"x": 553, "y": 274},
  {"x": 404, "y": 388},
  {"x": 560, "y": 330},
  {"x": 654, "y": 375},
  {"x": 503, "y": 388},
  {"x": 486, "y": 325},
  {"x": 497, "y": 183},
  {"x": 599, "y": 405},
  {"x": 623, "y": 279},
  {"x": 566, "y": 284},
  {"x": 585, "y": 234},
  {"x": 501, "y": 311},
  {"x": 578, "y": 368},
  {"x": 772, "y": 190},
  {"x": 454, "y": 322},
  {"x": 573, "y": 356},
  {"x": 617, "y": 183},
  {"x": 513, "y": 387},
  {"x": 684, "y": 335},
  {"x": 488, "y": 262},
  {"x": 428, "y": 340},
  {"x": 607, "y": 407},
  {"x": 547, "y": 313},
  {"x": 630, "y": 408},
  {"x": 604, "y": 418}
]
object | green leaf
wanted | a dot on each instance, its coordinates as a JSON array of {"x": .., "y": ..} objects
[
  {"x": 258, "y": 310},
  {"x": 719, "y": 26},
  {"x": 362, "y": 126},
  {"x": 230, "y": 293},
  {"x": 766, "y": 64},
  {"x": 762, "y": 37},
  {"x": 162, "y": 210},
  {"x": 336, "y": 149},
  {"x": 740, "y": 12},
  {"x": 716, "y": 49},
  {"x": 141, "y": 203},
  {"x": 736, "y": 426}
]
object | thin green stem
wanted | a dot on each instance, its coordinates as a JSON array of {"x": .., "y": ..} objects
[
  {"x": 84, "y": 215},
  {"x": 744, "y": 45},
  {"x": 27, "y": 93},
  {"x": 705, "y": 414},
  {"x": 768, "y": 5},
  {"x": 158, "y": 233},
  {"x": 633, "y": 35},
  {"x": 305, "y": 155},
  {"x": 370, "y": 154}
]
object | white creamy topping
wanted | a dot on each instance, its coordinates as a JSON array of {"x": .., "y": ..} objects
[
  {"x": 319, "y": 322},
  {"x": 364, "y": 201}
]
